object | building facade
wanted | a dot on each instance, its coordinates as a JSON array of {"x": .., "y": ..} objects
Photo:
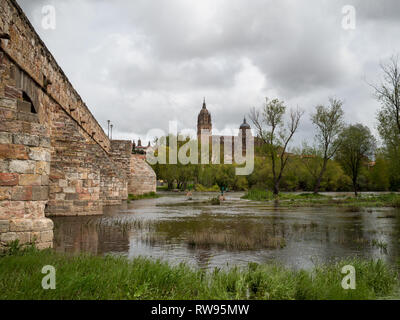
[{"x": 204, "y": 128}]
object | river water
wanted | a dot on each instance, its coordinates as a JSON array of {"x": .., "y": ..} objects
[{"x": 175, "y": 229}]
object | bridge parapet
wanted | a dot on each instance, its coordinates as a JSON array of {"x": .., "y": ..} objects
[{"x": 28, "y": 51}]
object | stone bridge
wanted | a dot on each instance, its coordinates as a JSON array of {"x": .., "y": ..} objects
[{"x": 55, "y": 158}]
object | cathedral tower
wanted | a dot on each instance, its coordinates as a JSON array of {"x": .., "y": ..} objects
[
  {"x": 204, "y": 121},
  {"x": 244, "y": 129}
]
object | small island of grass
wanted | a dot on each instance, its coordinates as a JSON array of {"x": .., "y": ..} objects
[{"x": 391, "y": 200}]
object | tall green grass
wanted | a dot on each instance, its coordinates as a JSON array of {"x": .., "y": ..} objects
[
  {"x": 150, "y": 195},
  {"x": 311, "y": 199},
  {"x": 94, "y": 277}
]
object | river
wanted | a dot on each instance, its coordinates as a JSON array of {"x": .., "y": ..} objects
[{"x": 175, "y": 229}]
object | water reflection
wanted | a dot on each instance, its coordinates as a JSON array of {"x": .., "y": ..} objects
[{"x": 234, "y": 233}]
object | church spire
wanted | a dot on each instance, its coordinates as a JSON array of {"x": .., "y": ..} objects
[{"x": 204, "y": 103}]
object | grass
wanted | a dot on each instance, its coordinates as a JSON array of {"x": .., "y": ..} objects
[
  {"x": 380, "y": 244},
  {"x": 201, "y": 188},
  {"x": 263, "y": 195},
  {"x": 234, "y": 241},
  {"x": 150, "y": 195},
  {"x": 215, "y": 201},
  {"x": 94, "y": 277},
  {"x": 353, "y": 204}
]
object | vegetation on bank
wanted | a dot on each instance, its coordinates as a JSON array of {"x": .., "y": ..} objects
[
  {"x": 110, "y": 277},
  {"x": 342, "y": 157},
  {"x": 310, "y": 199},
  {"x": 150, "y": 195}
]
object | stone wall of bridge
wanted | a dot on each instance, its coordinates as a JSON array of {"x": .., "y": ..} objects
[
  {"x": 55, "y": 159},
  {"x": 142, "y": 178}
]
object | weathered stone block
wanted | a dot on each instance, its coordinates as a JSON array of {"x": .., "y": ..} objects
[
  {"x": 24, "y": 106},
  {"x": 4, "y": 226},
  {"x": 45, "y": 180},
  {"x": 81, "y": 203},
  {"x": 42, "y": 224},
  {"x": 4, "y": 166},
  {"x": 21, "y": 193},
  {"x": 30, "y": 180},
  {"x": 17, "y": 225},
  {"x": 8, "y": 237},
  {"x": 44, "y": 245},
  {"x": 9, "y": 179},
  {"x": 42, "y": 168},
  {"x": 34, "y": 209},
  {"x": 60, "y": 196},
  {"x": 24, "y": 237},
  {"x": 56, "y": 174},
  {"x": 72, "y": 176},
  {"x": 12, "y": 92},
  {"x": 11, "y": 209},
  {"x": 5, "y": 193},
  {"x": 11, "y": 151},
  {"x": 63, "y": 183},
  {"x": 46, "y": 236},
  {"x": 69, "y": 190},
  {"x": 20, "y": 166},
  {"x": 39, "y": 154},
  {"x": 8, "y": 103},
  {"x": 28, "y": 117},
  {"x": 5, "y": 138},
  {"x": 45, "y": 142},
  {"x": 40, "y": 193},
  {"x": 72, "y": 196},
  {"x": 7, "y": 114},
  {"x": 26, "y": 139}
]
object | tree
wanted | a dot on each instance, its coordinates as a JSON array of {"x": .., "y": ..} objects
[
  {"x": 357, "y": 146},
  {"x": 276, "y": 136},
  {"x": 388, "y": 93},
  {"x": 329, "y": 123}
]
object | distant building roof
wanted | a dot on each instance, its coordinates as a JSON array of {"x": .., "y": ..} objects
[{"x": 244, "y": 125}]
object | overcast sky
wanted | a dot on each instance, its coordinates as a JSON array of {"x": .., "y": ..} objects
[{"x": 141, "y": 63}]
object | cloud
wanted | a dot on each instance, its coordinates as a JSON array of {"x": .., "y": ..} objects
[{"x": 142, "y": 63}]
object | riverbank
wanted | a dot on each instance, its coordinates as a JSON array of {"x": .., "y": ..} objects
[
  {"x": 150, "y": 195},
  {"x": 95, "y": 277},
  {"x": 391, "y": 200}
]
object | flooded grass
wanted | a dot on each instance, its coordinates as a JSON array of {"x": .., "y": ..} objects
[
  {"x": 94, "y": 277},
  {"x": 236, "y": 231},
  {"x": 150, "y": 195},
  {"x": 353, "y": 209},
  {"x": 235, "y": 241},
  {"x": 380, "y": 244},
  {"x": 391, "y": 200}
]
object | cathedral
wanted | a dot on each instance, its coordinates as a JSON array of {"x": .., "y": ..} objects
[{"x": 204, "y": 127}]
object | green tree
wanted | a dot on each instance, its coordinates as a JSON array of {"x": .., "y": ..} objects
[
  {"x": 329, "y": 124},
  {"x": 357, "y": 146},
  {"x": 388, "y": 94},
  {"x": 270, "y": 126}
]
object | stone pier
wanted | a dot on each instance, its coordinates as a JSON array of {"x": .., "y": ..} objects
[{"x": 55, "y": 158}]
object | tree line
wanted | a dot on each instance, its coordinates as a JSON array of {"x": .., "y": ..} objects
[{"x": 342, "y": 157}]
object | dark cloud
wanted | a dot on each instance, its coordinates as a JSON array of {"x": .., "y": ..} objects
[{"x": 142, "y": 63}]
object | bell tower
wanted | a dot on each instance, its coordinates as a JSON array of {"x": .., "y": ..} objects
[{"x": 204, "y": 121}]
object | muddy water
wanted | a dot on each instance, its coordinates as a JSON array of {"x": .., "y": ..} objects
[{"x": 237, "y": 232}]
